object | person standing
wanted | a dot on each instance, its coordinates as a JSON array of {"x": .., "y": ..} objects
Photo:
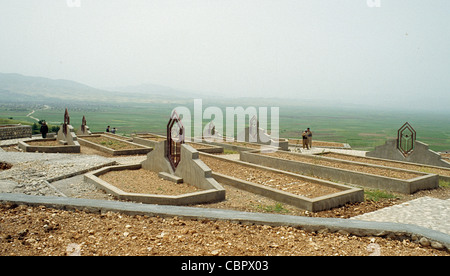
[
  {"x": 309, "y": 135},
  {"x": 44, "y": 129},
  {"x": 305, "y": 139}
]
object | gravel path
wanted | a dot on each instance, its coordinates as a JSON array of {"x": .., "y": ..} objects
[{"x": 31, "y": 172}]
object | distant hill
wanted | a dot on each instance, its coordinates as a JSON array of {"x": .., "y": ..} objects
[{"x": 16, "y": 87}]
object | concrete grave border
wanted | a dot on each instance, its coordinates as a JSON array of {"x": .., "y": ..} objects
[
  {"x": 441, "y": 177},
  {"x": 141, "y": 150},
  {"x": 64, "y": 148},
  {"x": 346, "y": 195},
  {"x": 299, "y": 142},
  {"x": 236, "y": 147},
  {"x": 191, "y": 169},
  {"x": 69, "y": 143},
  {"x": 151, "y": 143},
  {"x": 409, "y": 186}
]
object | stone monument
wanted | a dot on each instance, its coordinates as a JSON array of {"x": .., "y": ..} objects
[
  {"x": 407, "y": 149},
  {"x": 84, "y": 129},
  {"x": 66, "y": 134}
]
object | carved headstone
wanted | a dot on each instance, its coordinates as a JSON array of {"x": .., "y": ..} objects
[
  {"x": 175, "y": 137},
  {"x": 406, "y": 138},
  {"x": 66, "y": 122}
]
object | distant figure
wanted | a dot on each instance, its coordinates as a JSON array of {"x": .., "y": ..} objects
[
  {"x": 44, "y": 130},
  {"x": 107, "y": 129},
  {"x": 113, "y": 131},
  {"x": 309, "y": 135},
  {"x": 305, "y": 139}
]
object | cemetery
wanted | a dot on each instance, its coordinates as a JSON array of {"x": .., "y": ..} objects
[{"x": 169, "y": 171}]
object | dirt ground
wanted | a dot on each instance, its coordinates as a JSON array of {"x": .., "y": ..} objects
[{"x": 35, "y": 231}]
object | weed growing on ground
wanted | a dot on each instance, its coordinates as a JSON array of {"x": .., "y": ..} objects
[
  {"x": 375, "y": 195},
  {"x": 277, "y": 208},
  {"x": 444, "y": 184}
]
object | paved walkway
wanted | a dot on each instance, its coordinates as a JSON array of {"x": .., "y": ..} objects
[{"x": 427, "y": 212}]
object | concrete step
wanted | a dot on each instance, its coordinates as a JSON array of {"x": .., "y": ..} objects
[{"x": 170, "y": 177}]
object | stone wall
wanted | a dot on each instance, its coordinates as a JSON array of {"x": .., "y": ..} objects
[{"x": 14, "y": 131}]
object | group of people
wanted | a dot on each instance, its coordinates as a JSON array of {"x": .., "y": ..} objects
[
  {"x": 113, "y": 131},
  {"x": 307, "y": 138}
]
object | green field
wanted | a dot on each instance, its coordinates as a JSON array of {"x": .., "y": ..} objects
[{"x": 362, "y": 129}]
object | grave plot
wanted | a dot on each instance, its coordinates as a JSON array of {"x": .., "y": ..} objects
[
  {"x": 444, "y": 173},
  {"x": 65, "y": 142},
  {"x": 171, "y": 160},
  {"x": 319, "y": 144},
  {"x": 149, "y": 183},
  {"x": 112, "y": 145},
  {"x": 366, "y": 175},
  {"x": 48, "y": 145},
  {"x": 237, "y": 146},
  {"x": 301, "y": 191},
  {"x": 149, "y": 140}
]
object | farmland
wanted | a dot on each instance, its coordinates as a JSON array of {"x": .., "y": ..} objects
[{"x": 362, "y": 129}]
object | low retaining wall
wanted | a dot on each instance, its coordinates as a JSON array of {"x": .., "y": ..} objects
[
  {"x": 23, "y": 145},
  {"x": 209, "y": 195},
  {"x": 293, "y": 142},
  {"x": 15, "y": 131},
  {"x": 191, "y": 169},
  {"x": 141, "y": 150},
  {"x": 151, "y": 143},
  {"x": 420, "y": 167},
  {"x": 238, "y": 148},
  {"x": 426, "y": 181},
  {"x": 346, "y": 195}
]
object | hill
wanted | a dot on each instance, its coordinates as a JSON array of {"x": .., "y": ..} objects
[{"x": 20, "y": 88}]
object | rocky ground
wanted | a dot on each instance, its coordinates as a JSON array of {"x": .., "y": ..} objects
[{"x": 42, "y": 231}]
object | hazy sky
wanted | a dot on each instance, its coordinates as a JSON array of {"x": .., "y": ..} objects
[{"x": 345, "y": 50}]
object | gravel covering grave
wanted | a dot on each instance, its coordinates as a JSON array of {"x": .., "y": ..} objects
[
  {"x": 352, "y": 167},
  {"x": 145, "y": 182},
  {"x": 387, "y": 163},
  {"x": 272, "y": 179}
]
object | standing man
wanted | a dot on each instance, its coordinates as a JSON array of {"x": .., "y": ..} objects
[
  {"x": 44, "y": 129},
  {"x": 309, "y": 134},
  {"x": 305, "y": 140}
]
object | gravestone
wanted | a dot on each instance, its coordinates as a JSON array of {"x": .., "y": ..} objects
[
  {"x": 66, "y": 134},
  {"x": 175, "y": 137},
  {"x": 84, "y": 129},
  {"x": 407, "y": 149}
]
